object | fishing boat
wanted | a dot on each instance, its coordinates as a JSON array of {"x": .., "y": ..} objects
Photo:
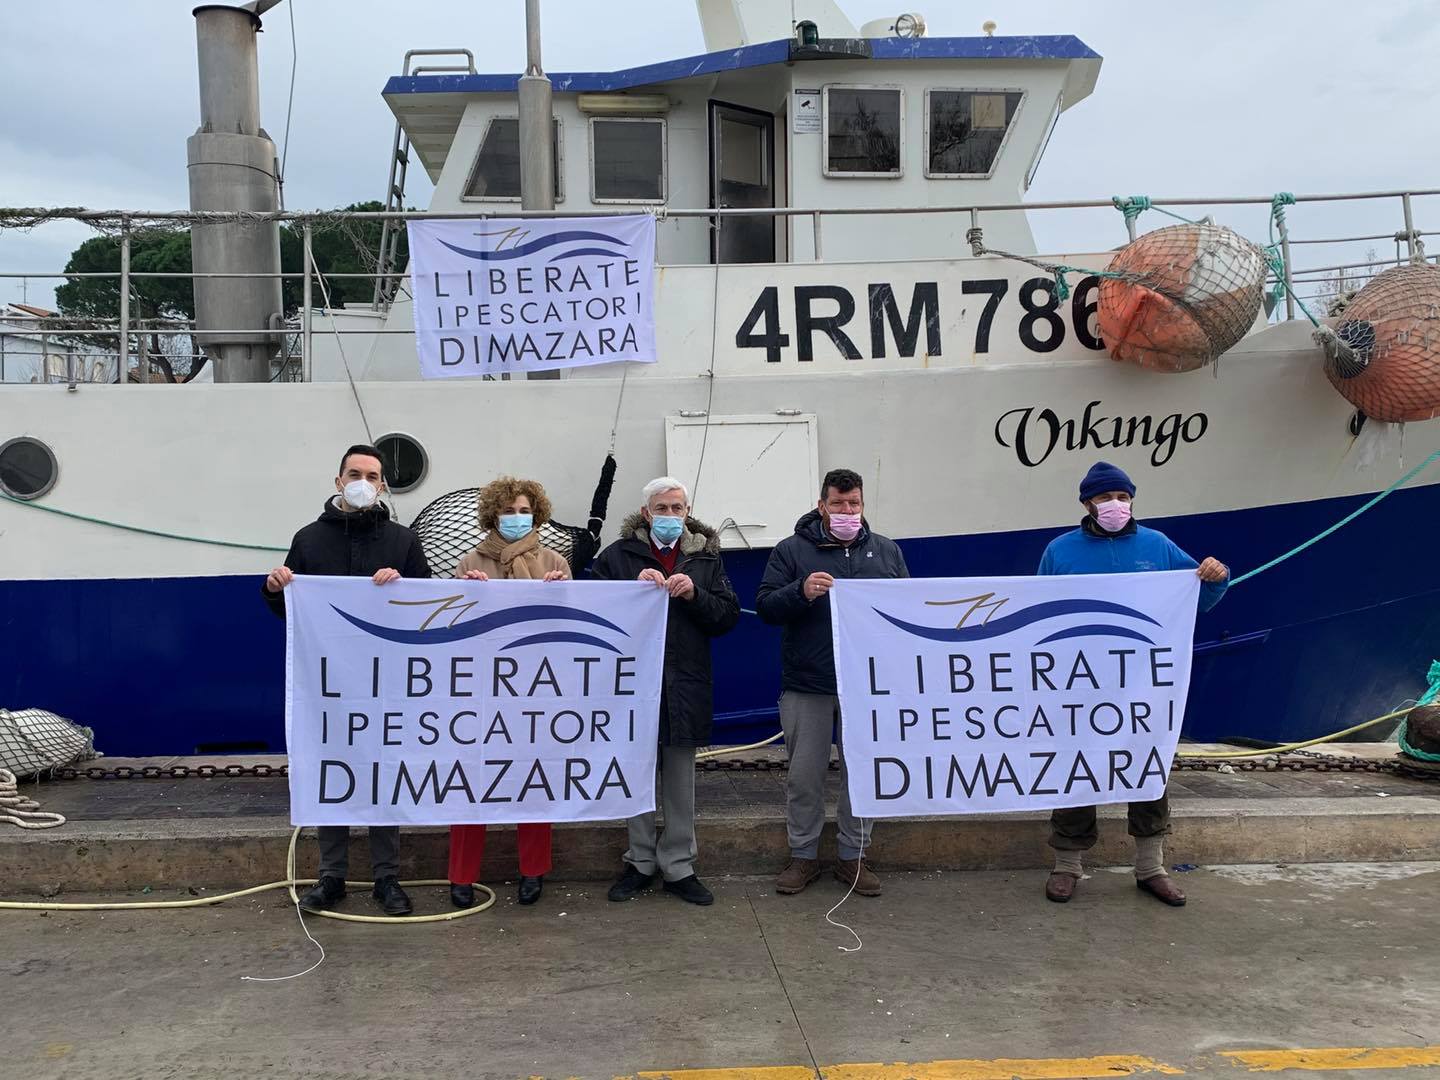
[{"x": 846, "y": 275}]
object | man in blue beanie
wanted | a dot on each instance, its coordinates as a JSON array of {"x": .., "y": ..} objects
[{"x": 1109, "y": 541}]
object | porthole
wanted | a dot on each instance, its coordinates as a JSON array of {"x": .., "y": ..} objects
[
  {"x": 404, "y": 459},
  {"x": 27, "y": 468}
]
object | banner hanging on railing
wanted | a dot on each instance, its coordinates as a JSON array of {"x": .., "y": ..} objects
[
  {"x": 449, "y": 702},
  {"x": 497, "y": 295},
  {"x": 976, "y": 695}
]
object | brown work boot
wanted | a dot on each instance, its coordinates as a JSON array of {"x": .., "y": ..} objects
[
  {"x": 1163, "y": 889},
  {"x": 797, "y": 875},
  {"x": 855, "y": 872},
  {"x": 1060, "y": 887}
]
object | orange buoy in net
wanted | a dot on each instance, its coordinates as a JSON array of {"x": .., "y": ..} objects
[
  {"x": 1384, "y": 355},
  {"x": 1187, "y": 293}
]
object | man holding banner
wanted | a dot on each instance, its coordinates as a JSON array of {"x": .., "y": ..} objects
[
  {"x": 831, "y": 542},
  {"x": 1109, "y": 541},
  {"x": 666, "y": 547},
  {"x": 353, "y": 537}
]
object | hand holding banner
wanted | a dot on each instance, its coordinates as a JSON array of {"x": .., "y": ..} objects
[
  {"x": 439, "y": 702},
  {"x": 976, "y": 695},
  {"x": 532, "y": 294}
]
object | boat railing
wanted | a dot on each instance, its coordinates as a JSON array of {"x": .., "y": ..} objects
[{"x": 1324, "y": 281}]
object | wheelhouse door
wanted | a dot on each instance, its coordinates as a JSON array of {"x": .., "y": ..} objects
[{"x": 742, "y": 175}]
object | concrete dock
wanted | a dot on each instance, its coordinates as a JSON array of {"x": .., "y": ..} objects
[
  {"x": 1307, "y": 970},
  {"x": 226, "y": 832},
  {"x": 1309, "y": 946}
]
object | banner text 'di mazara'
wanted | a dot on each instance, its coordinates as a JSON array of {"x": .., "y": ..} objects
[
  {"x": 442, "y": 702},
  {"x": 976, "y": 695},
  {"x": 532, "y": 294}
]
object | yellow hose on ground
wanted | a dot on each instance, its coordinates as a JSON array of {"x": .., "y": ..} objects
[
  {"x": 722, "y": 751},
  {"x": 1287, "y": 747},
  {"x": 289, "y": 883}
]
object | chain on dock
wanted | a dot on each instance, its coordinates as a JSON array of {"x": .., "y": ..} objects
[{"x": 1292, "y": 761}]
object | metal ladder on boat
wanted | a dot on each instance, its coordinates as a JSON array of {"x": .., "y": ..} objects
[{"x": 387, "y": 273}]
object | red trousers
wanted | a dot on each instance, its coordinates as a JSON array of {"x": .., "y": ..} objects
[{"x": 467, "y": 851}]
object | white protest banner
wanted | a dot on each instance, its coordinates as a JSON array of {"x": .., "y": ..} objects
[
  {"x": 982, "y": 695},
  {"x": 532, "y": 294},
  {"x": 436, "y": 702}
]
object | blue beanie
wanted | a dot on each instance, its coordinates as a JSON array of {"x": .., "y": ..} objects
[{"x": 1104, "y": 477}]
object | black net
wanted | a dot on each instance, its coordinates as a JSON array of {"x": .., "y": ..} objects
[{"x": 449, "y": 529}]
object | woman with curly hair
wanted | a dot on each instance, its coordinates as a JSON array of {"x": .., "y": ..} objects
[{"x": 511, "y": 512}]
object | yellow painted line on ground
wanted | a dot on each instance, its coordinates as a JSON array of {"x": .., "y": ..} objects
[
  {"x": 1005, "y": 1069},
  {"x": 1109, "y": 1065},
  {"x": 1321, "y": 1060}
]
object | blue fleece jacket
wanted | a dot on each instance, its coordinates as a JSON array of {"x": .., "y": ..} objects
[{"x": 1088, "y": 550}]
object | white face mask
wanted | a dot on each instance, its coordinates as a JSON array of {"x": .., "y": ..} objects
[{"x": 360, "y": 494}]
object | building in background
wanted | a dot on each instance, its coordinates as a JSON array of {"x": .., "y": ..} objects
[{"x": 34, "y": 348}]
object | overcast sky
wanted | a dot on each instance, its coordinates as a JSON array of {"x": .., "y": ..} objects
[{"x": 1223, "y": 97}]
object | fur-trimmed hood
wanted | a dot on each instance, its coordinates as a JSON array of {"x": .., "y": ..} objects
[{"x": 697, "y": 536}]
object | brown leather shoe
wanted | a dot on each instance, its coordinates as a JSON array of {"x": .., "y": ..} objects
[
  {"x": 1060, "y": 887},
  {"x": 797, "y": 875},
  {"x": 1163, "y": 889},
  {"x": 854, "y": 872}
]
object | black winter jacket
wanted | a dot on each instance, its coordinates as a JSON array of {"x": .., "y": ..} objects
[
  {"x": 352, "y": 544},
  {"x": 687, "y": 700},
  {"x": 807, "y": 652}
]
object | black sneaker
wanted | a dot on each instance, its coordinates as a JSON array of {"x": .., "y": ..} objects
[
  {"x": 630, "y": 884},
  {"x": 691, "y": 891},
  {"x": 325, "y": 893},
  {"x": 391, "y": 896}
]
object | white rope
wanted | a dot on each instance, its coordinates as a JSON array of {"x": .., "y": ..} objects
[
  {"x": 20, "y": 810},
  {"x": 859, "y": 869}
]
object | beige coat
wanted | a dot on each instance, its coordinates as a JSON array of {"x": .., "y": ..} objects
[{"x": 501, "y": 566}]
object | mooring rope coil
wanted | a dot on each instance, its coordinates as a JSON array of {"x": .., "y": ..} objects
[{"x": 20, "y": 810}]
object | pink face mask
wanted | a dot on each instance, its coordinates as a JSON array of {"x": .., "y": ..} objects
[
  {"x": 845, "y": 526},
  {"x": 1113, "y": 515}
]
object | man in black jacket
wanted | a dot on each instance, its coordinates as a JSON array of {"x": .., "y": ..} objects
[
  {"x": 353, "y": 537},
  {"x": 832, "y": 541},
  {"x": 664, "y": 545}
]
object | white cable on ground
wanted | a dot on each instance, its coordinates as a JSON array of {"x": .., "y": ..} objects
[
  {"x": 20, "y": 810},
  {"x": 859, "y": 866}
]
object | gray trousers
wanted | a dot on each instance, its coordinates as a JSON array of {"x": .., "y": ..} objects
[
  {"x": 672, "y": 852},
  {"x": 335, "y": 850},
  {"x": 809, "y": 722}
]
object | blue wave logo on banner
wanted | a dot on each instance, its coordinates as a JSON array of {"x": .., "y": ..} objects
[
  {"x": 519, "y": 251},
  {"x": 444, "y": 635},
  {"x": 1051, "y": 609}
]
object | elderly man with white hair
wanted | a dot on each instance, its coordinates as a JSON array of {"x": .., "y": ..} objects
[{"x": 664, "y": 545}]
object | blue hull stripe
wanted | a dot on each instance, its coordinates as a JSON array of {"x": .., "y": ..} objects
[{"x": 1341, "y": 633}]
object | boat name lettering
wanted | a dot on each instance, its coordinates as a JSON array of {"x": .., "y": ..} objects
[
  {"x": 830, "y": 309},
  {"x": 1035, "y": 433}
]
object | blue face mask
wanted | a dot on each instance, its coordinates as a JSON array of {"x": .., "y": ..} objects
[
  {"x": 666, "y": 530},
  {"x": 515, "y": 526}
]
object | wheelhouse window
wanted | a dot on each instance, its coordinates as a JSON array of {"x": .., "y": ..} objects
[
  {"x": 966, "y": 130},
  {"x": 863, "y": 131},
  {"x": 627, "y": 160},
  {"x": 496, "y": 174}
]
